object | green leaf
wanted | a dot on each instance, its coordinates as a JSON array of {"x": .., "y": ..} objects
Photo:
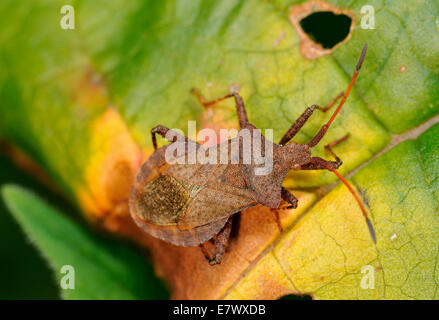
[
  {"x": 82, "y": 102},
  {"x": 168, "y": 47},
  {"x": 102, "y": 269},
  {"x": 329, "y": 253},
  {"x": 161, "y": 50},
  {"x": 400, "y": 188},
  {"x": 400, "y": 79},
  {"x": 18, "y": 281}
]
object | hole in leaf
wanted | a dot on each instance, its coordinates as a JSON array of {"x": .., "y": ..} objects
[
  {"x": 295, "y": 297},
  {"x": 326, "y": 28}
]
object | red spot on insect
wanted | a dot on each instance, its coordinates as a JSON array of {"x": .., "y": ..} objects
[{"x": 402, "y": 68}]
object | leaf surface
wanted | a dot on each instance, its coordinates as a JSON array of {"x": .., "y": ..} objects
[
  {"x": 81, "y": 103},
  {"x": 102, "y": 269},
  {"x": 329, "y": 253}
]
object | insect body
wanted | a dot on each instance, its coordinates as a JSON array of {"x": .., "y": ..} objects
[{"x": 188, "y": 204}]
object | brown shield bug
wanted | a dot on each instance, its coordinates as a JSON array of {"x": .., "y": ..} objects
[{"x": 187, "y": 204}]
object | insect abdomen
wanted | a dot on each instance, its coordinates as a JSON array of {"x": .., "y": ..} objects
[{"x": 164, "y": 200}]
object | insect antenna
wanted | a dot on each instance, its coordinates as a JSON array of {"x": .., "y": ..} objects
[
  {"x": 351, "y": 84},
  {"x": 325, "y": 127},
  {"x": 323, "y": 130},
  {"x": 363, "y": 209}
]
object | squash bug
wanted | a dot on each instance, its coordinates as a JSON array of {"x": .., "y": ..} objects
[{"x": 189, "y": 204}]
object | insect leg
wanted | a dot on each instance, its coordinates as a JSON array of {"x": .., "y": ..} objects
[
  {"x": 205, "y": 252},
  {"x": 240, "y": 108},
  {"x": 292, "y": 201},
  {"x": 329, "y": 146},
  {"x": 325, "y": 127},
  {"x": 275, "y": 213},
  {"x": 162, "y": 130},
  {"x": 298, "y": 124},
  {"x": 220, "y": 244},
  {"x": 205, "y": 103},
  {"x": 318, "y": 163},
  {"x": 289, "y": 197}
]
